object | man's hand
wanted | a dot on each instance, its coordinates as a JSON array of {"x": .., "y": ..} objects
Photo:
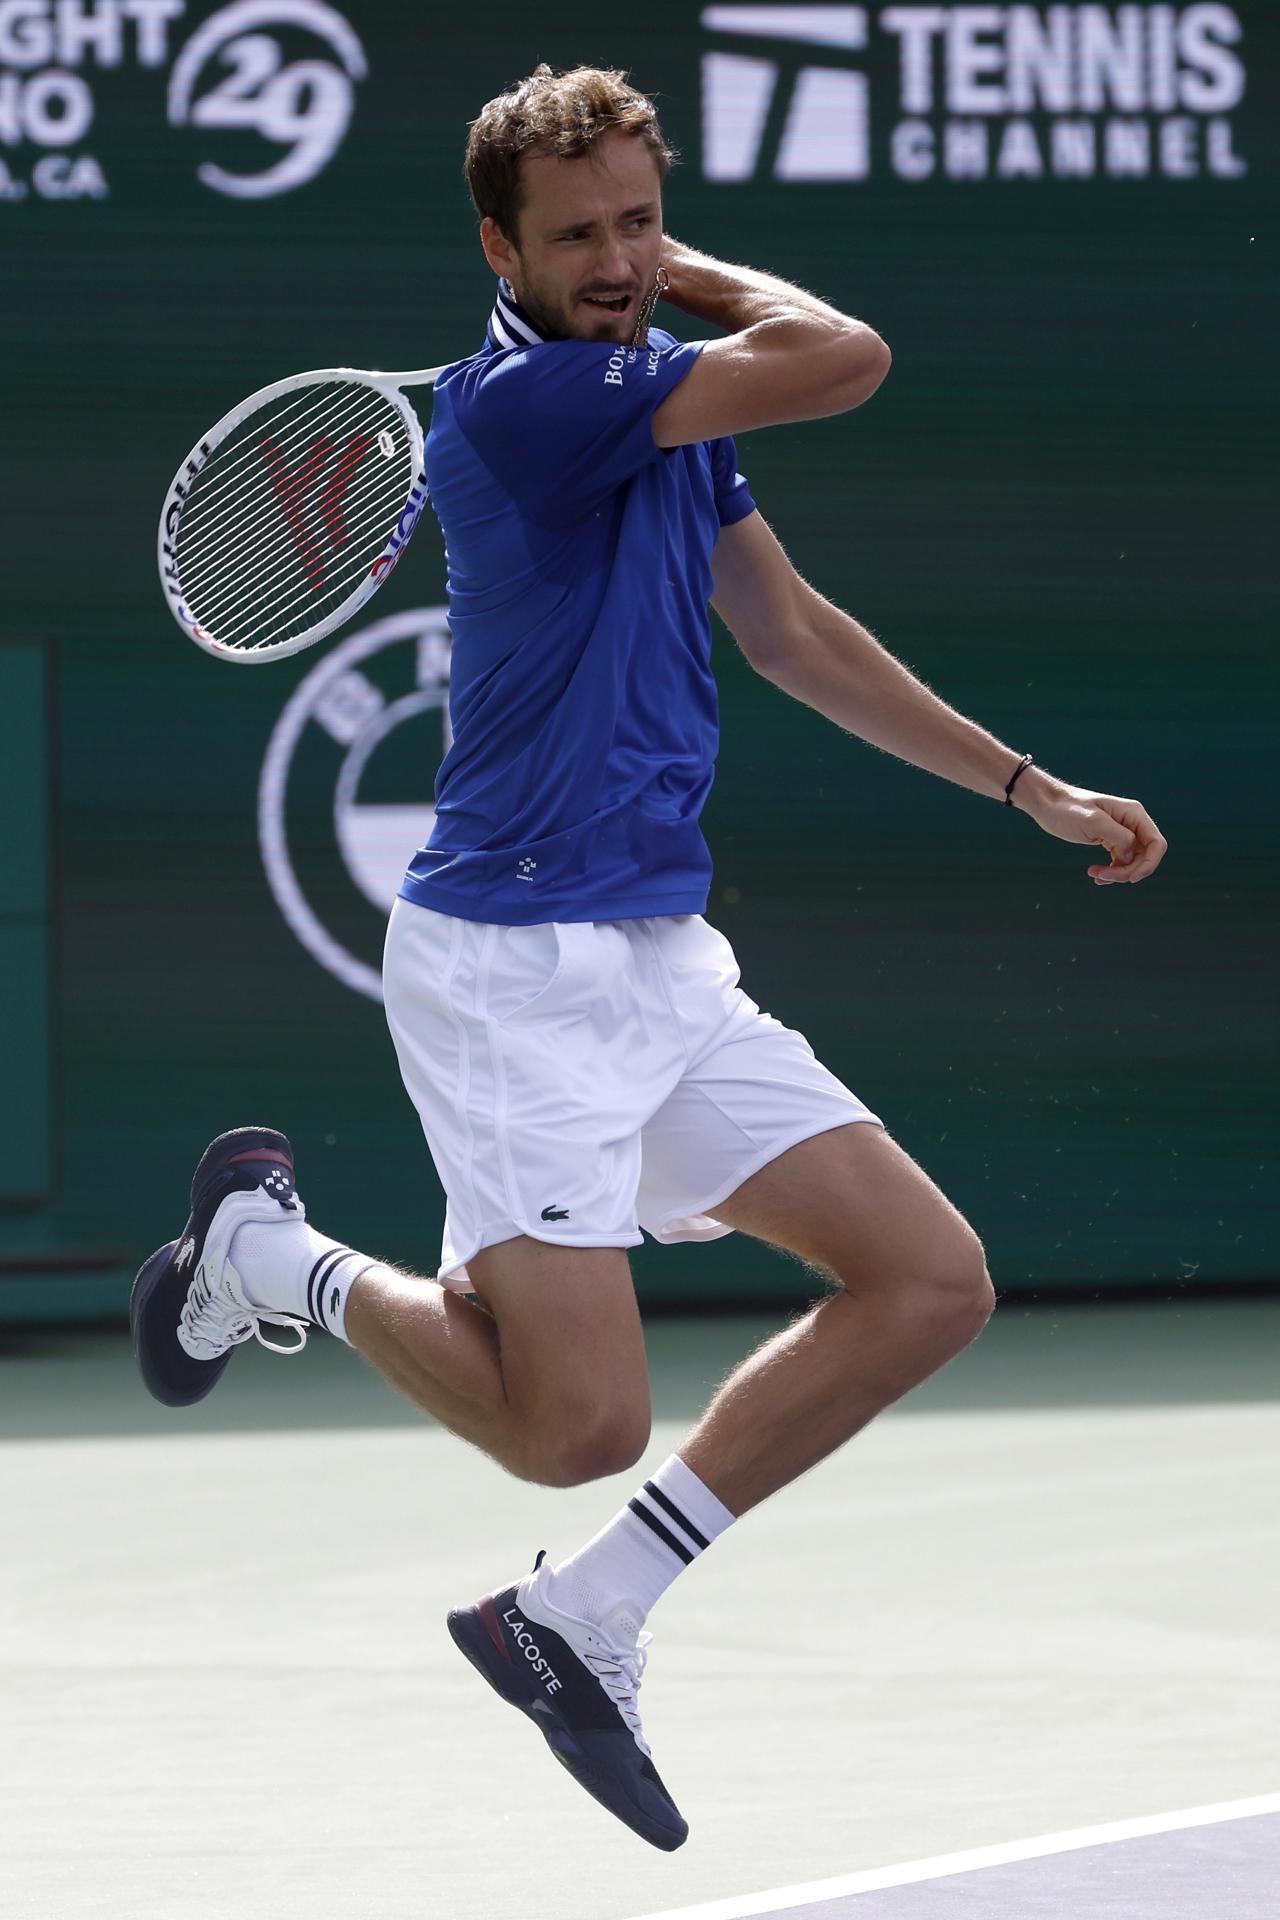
[{"x": 1125, "y": 828}]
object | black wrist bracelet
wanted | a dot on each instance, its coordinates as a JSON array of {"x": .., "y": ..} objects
[{"x": 1025, "y": 762}]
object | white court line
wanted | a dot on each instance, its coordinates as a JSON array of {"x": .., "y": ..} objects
[{"x": 783, "y": 1900}]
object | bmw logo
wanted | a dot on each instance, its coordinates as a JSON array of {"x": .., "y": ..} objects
[{"x": 345, "y": 794}]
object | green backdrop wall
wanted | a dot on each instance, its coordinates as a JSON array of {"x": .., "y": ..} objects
[{"x": 1056, "y": 510}]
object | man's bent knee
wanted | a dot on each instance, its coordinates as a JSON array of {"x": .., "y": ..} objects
[
  {"x": 951, "y": 1286},
  {"x": 587, "y": 1449},
  {"x": 959, "y": 1290}
]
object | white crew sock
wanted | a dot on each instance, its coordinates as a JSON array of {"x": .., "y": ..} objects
[
  {"x": 629, "y": 1565},
  {"x": 285, "y": 1266}
]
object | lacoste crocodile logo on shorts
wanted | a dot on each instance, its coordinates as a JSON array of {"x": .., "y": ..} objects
[{"x": 555, "y": 1213}]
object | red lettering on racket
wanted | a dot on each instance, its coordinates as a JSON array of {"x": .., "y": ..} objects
[
  {"x": 291, "y": 491},
  {"x": 292, "y": 488},
  {"x": 330, "y": 503}
]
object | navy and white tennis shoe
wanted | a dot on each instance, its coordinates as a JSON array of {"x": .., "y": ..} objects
[
  {"x": 188, "y": 1309},
  {"x": 578, "y": 1685}
]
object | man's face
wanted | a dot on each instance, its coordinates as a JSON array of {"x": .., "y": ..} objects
[{"x": 589, "y": 229}]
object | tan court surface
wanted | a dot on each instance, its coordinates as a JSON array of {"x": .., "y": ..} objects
[{"x": 1038, "y": 1595}]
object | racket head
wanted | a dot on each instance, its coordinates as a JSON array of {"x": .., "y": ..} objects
[{"x": 291, "y": 512}]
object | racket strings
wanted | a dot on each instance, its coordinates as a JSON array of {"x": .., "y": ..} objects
[
  {"x": 269, "y": 562},
  {"x": 291, "y": 617},
  {"x": 264, "y": 618},
  {"x": 279, "y": 538},
  {"x": 295, "y": 409},
  {"x": 254, "y": 589},
  {"x": 255, "y": 479},
  {"x": 288, "y": 622},
  {"x": 286, "y": 587},
  {"x": 223, "y": 504},
  {"x": 271, "y": 508},
  {"x": 291, "y": 512},
  {"x": 247, "y": 579}
]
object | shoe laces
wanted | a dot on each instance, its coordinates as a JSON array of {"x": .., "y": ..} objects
[
  {"x": 221, "y": 1324},
  {"x": 619, "y": 1671}
]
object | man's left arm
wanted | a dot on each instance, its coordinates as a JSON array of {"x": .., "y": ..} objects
[{"x": 798, "y": 640}]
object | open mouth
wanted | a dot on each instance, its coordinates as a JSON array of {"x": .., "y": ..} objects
[{"x": 614, "y": 303}]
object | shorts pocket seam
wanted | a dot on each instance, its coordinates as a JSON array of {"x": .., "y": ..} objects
[{"x": 548, "y": 986}]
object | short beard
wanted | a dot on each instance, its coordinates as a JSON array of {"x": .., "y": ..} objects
[{"x": 539, "y": 315}]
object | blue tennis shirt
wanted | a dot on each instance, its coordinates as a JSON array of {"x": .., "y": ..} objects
[{"x": 583, "y": 706}]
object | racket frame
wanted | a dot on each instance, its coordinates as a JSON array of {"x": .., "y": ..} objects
[{"x": 389, "y": 385}]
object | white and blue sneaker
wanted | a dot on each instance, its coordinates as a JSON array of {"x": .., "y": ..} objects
[
  {"x": 578, "y": 1683},
  {"x": 188, "y": 1309}
]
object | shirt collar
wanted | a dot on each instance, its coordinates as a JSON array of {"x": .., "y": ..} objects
[{"x": 509, "y": 324}]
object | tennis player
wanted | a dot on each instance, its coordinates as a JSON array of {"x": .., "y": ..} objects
[{"x": 568, "y": 1025}]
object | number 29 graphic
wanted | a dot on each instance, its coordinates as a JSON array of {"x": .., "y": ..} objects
[{"x": 304, "y": 105}]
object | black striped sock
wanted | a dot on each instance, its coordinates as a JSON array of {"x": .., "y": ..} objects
[
  {"x": 663, "y": 1528},
  {"x": 664, "y": 1518},
  {"x": 330, "y": 1281}
]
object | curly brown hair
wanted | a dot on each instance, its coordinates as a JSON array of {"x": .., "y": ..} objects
[{"x": 563, "y": 114}]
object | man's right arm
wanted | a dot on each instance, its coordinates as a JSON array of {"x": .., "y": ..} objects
[{"x": 789, "y": 356}]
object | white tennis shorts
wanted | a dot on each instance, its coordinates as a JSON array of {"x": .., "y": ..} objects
[{"x": 580, "y": 1080}]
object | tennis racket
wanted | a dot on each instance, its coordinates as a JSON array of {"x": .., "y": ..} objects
[{"x": 290, "y": 513}]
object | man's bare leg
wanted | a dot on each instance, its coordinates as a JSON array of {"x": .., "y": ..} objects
[
  {"x": 548, "y": 1375},
  {"x": 439, "y": 1348},
  {"x": 914, "y": 1293}
]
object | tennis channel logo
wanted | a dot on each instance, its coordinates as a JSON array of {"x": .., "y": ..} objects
[
  {"x": 971, "y": 93},
  {"x": 270, "y": 84},
  {"x": 344, "y": 796}
]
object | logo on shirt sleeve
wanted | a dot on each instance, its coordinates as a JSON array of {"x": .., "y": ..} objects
[{"x": 625, "y": 357}]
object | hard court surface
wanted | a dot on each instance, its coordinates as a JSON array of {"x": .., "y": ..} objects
[{"x": 1036, "y": 1599}]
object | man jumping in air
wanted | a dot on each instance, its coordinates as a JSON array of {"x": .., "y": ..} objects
[{"x": 568, "y": 1026}]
